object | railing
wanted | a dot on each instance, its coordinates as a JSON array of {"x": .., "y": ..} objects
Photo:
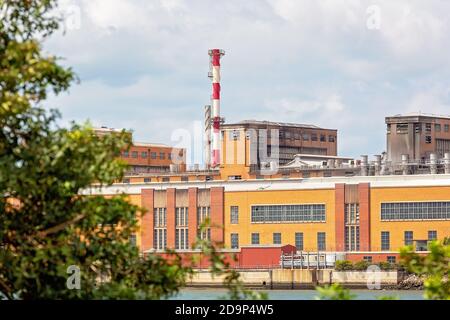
[{"x": 310, "y": 260}]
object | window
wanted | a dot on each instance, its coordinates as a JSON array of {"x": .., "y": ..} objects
[
  {"x": 351, "y": 221},
  {"x": 126, "y": 180},
  {"x": 331, "y": 138},
  {"x": 160, "y": 228},
  {"x": 415, "y": 211},
  {"x": 234, "y": 214},
  {"x": 181, "y": 217},
  {"x": 417, "y": 127},
  {"x": 169, "y": 156},
  {"x": 368, "y": 259},
  {"x": 255, "y": 238},
  {"x": 432, "y": 235},
  {"x": 234, "y": 177},
  {"x": 203, "y": 213},
  {"x": 391, "y": 259},
  {"x": 162, "y": 155},
  {"x": 388, "y": 128},
  {"x": 125, "y": 154},
  {"x": 402, "y": 128},
  {"x": 321, "y": 244},
  {"x": 184, "y": 178},
  {"x": 385, "y": 240},
  {"x": 408, "y": 238},
  {"x": 181, "y": 239},
  {"x": 234, "y": 135},
  {"x": 299, "y": 240},
  {"x": 147, "y": 180},
  {"x": 288, "y": 213},
  {"x": 313, "y": 136},
  {"x": 323, "y": 138},
  {"x": 437, "y": 127},
  {"x": 277, "y": 238},
  {"x": 428, "y": 127},
  {"x": 144, "y": 154},
  {"x": 134, "y": 154},
  {"x": 428, "y": 139},
  {"x": 165, "y": 179},
  {"x": 446, "y": 128},
  {"x": 234, "y": 241},
  {"x": 153, "y": 155},
  {"x": 305, "y": 136},
  {"x": 421, "y": 245},
  {"x": 306, "y": 175}
]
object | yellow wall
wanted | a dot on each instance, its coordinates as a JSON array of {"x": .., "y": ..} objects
[
  {"x": 245, "y": 228},
  {"x": 397, "y": 228},
  {"x": 136, "y": 200}
]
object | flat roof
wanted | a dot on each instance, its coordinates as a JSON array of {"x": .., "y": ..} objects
[
  {"x": 272, "y": 123},
  {"x": 280, "y": 184},
  {"x": 418, "y": 115},
  {"x": 149, "y": 144}
]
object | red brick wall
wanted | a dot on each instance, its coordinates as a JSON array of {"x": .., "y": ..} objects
[
  {"x": 147, "y": 219},
  {"x": 364, "y": 216},
  {"x": 217, "y": 214},
  {"x": 339, "y": 216},
  {"x": 192, "y": 211},
  {"x": 376, "y": 257},
  {"x": 171, "y": 203}
]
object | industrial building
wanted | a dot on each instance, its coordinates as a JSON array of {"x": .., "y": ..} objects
[
  {"x": 147, "y": 158},
  {"x": 272, "y": 184},
  {"x": 417, "y": 136}
]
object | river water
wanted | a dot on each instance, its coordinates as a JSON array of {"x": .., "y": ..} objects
[{"x": 214, "y": 294}]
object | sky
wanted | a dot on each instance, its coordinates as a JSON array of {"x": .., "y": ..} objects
[{"x": 341, "y": 64}]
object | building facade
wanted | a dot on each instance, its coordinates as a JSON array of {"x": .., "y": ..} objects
[
  {"x": 371, "y": 216},
  {"x": 417, "y": 136}
]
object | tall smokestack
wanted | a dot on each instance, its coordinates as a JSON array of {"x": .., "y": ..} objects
[{"x": 215, "y": 55}]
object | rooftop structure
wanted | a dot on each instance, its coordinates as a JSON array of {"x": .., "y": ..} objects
[{"x": 415, "y": 137}]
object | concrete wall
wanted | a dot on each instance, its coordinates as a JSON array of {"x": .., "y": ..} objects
[
  {"x": 361, "y": 277},
  {"x": 296, "y": 278}
]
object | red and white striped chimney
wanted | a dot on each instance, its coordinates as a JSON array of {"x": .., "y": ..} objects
[{"x": 215, "y": 55}]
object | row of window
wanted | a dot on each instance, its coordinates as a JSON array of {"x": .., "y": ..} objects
[
  {"x": 288, "y": 213},
  {"x": 235, "y": 135},
  {"x": 277, "y": 239},
  {"x": 145, "y": 154},
  {"x": 415, "y": 211},
  {"x": 408, "y": 239},
  {"x": 403, "y": 128}
]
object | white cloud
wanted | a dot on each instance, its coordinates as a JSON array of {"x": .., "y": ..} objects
[{"x": 143, "y": 63}]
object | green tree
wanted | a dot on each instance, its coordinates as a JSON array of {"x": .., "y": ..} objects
[
  {"x": 434, "y": 266},
  {"x": 49, "y": 219},
  {"x": 45, "y": 225}
]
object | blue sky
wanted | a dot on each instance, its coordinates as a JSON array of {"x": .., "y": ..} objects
[{"x": 143, "y": 63}]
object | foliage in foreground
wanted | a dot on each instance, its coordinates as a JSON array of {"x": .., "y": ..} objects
[
  {"x": 434, "y": 266},
  {"x": 45, "y": 225}
]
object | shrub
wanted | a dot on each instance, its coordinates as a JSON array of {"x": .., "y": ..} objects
[
  {"x": 343, "y": 265},
  {"x": 361, "y": 265},
  {"x": 384, "y": 265}
]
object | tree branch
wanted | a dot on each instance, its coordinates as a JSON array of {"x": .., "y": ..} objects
[{"x": 61, "y": 226}]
